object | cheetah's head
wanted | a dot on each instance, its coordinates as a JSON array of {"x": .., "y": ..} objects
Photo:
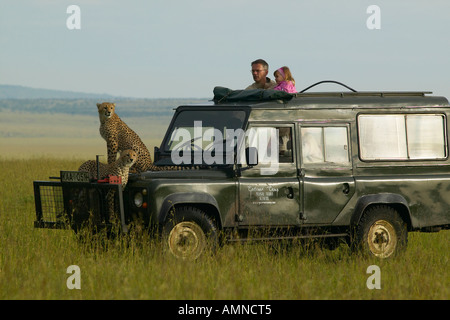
[
  {"x": 128, "y": 157},
  {"x": 106, "y": 110}
]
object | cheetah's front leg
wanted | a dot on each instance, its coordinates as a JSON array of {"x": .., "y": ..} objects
[{"x": 113, "y": 148}]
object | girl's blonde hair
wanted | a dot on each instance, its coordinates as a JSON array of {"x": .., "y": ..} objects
[{"x": 286, "y": 73}]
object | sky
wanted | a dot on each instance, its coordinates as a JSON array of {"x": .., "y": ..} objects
[{"x": 183, "y": 49}]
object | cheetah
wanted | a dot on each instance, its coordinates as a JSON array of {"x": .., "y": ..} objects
[
  {"x": 119, "y": 168},
  {"x": 119, "y": 137}
]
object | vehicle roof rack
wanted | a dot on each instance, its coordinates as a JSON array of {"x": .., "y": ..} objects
[
  {"x": 353, "y": 92},
  {"x": 223, "y": 95},
  {"x": 328, "y": 81},
  {"x": 365, "y": 94}
]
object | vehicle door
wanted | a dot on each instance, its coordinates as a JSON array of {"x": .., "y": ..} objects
[
  {"x": 326, "y": 170},
  {"x": 269, "y": 192}
]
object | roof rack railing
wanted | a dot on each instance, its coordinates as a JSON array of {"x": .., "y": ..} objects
[
  {"x": 328, "y": 81},
  {"x": 365, "y": 94},
  {"x": 354, "y": 92}
]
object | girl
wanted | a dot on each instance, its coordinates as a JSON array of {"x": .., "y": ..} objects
[{"x": 284, "y": 79}]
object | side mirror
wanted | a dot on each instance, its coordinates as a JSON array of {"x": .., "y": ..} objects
[
  {"x": 156, "y": 154},
  {"x": 251, "y": 156}
]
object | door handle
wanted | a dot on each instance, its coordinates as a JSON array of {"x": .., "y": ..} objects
[
  {"x": 346, "y": 188},
  {"x": 289, "y": 192}
]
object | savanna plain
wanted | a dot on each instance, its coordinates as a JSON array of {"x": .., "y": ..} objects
[{"x": 34, "y": 262}]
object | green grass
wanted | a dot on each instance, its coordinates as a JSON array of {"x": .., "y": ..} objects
[{"x": 33, "y": 262}]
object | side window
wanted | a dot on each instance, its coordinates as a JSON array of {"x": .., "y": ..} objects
[
  {"x": 401, "y": 137},
  {"x": 426, "y": 137},
  {"x": 382, "y": 137},
  {"x": 285, "y": 154},
  {"x": 274, "y": 144},
  {"x": 322, "y": 145}
]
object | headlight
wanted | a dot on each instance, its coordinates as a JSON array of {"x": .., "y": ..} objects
[{"x": 138, "y": 199}]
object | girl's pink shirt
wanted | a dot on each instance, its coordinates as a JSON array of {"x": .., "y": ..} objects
[{"x": 286, "y": 86}]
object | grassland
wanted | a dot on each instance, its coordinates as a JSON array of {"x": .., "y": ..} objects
[{"x": 33, "y": 262}]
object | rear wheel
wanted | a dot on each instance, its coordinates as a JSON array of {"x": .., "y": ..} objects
[
  {"x": 381, "y": 232},
  {"x": 189, "y": 233}
]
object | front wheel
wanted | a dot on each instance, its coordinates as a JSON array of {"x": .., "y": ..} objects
[
  {"x": 189, "y": 233},
  {"x": 381, "y": 232}
]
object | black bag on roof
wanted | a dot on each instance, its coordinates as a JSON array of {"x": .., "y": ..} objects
[{"x": 222, "y": 94}]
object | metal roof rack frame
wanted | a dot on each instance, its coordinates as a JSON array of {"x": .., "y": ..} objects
[{"x": 354, "y": 92}]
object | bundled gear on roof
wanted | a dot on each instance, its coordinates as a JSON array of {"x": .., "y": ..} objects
[{"x": 222, "y": 94}]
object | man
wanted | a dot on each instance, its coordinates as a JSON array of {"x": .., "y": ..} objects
[{"x": 260, "y": 69}]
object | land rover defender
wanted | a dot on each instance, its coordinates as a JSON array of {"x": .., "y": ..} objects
[{"x": 364, "y": 167}]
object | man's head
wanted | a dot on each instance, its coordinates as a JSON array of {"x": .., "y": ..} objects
[{"x": 260, "y": 69}]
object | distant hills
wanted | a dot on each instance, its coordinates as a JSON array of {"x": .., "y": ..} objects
[
  {"x": 20, "y": 92},
  {"x": 25, "y": 99}
]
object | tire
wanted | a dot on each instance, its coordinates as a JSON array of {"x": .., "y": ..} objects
[
  {"x": 189, "y": 233},
  {"x": 381, "y": 232}
]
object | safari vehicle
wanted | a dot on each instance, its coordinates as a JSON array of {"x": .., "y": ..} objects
[{"x": 363, "y": 167}]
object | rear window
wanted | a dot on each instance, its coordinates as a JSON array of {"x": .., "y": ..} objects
[{"x": 402, "y": 136}]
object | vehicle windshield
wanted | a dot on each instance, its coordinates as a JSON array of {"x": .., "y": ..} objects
[{"x": 204, "y": 133}]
